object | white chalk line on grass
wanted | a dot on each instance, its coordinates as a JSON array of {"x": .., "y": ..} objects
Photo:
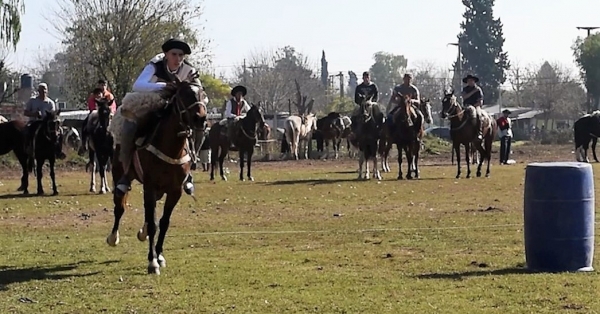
[{"x": 371, "y": 230}]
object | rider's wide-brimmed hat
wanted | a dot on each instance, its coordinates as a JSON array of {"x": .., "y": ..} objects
[
  {"x": 471, "y": 77},
  {"x": 506, "y": 111},
  {"x": 175, "y": 43},
  {"x": 237, "y": 89}
]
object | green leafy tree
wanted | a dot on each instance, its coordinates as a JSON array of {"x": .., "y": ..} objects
[
  {"x": 114, "y": 39},
  {"x": 216, "y": 90},
  {"x": 387, "y": 71},
  {"x": 587, "y": 56},
  {"x": 481, "y": 41},
  {"x": 10, "y": 21}
]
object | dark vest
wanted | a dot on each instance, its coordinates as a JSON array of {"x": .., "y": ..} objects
[
  {"x": 234, "y": 106},
  {"x": 162, "y": 74}
]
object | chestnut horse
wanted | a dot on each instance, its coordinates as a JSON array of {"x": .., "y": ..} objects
[
  {"x": 162, "y": 165},
  {"x": 464, "y": 132},
  {"x": 12, "y": 139}
]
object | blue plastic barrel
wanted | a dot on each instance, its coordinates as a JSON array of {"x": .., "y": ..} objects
[
  {"x": 559, "y": 216},
  {"x": 26, "y": 81}
]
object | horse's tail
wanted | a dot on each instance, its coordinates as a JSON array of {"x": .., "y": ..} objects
[{"x": 290, "y": 132}]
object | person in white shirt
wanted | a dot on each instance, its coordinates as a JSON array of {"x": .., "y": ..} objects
[
  {"x": 163, "y": 68},
  {"x": 235, "y": 108}
]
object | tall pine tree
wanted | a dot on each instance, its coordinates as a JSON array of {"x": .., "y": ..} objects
[{"x": 481, "y": 40}]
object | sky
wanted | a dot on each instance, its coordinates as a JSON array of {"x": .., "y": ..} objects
[{"x": 351, "y": 31}]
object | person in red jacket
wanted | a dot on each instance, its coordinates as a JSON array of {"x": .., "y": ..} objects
[
  {"x": 505, "y": 134},
  {"x": 105, "y": 93}
]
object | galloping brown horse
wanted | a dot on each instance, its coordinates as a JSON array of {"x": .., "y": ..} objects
[
  {"x": 464, "y": 131},
  {"x": 162, "y": 165},
  {"x": 248, "y": 129}
]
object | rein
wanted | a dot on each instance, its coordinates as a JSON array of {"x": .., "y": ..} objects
[{"x": 458, "y": 110}]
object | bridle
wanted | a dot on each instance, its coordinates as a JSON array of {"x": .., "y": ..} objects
[
  {"x": 184, "y": 113},
  {"x": 455, "y": 108}
]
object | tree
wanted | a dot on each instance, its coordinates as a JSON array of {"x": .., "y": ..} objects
[
  {"x": 324, "y": 71},
  {"x": 553, "y": 89},
  {"x": 587, "y": 56},
  {"x": 271, "y": 76},
  {"x": 387, "y": 71},
  {"x": 481, "y": 41},
  {"x": 114, "y": 39},
  {"x": 352, "y": 83},
  {"x": 216, "y": 90},
  {"x": 431, "y": 82},
  {"x": 10, "y": 23},
  {"x": 515, "y": 78}
]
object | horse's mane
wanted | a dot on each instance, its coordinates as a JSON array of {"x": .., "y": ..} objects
[
  {"x": 333, "y": 115},
  {"x": 169, "y": 91},
  {"x": 595, "y": 113}
]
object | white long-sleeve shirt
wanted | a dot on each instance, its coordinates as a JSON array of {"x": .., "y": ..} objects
[
  {"x": 229, "y": 105},
  {"x": 147, "y": 80}
]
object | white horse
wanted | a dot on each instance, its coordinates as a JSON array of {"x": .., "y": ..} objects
[
  {"x": 71, "y": 137},
  {"x": 3, "y": 119},
  {"x": 300, "y": 129}
]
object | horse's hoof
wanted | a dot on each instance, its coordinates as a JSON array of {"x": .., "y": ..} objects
[
  {"x": 162, "y": 262},
  {"x": 479, "y": 174},
  {"x": 21, "y": 188},
  {"x": 153, "y": 267},
  {"x": 40, "y": 193},
  {"x": 55, "y": 193},
  {"x": 25, "y": 192},
  {"x": 468, "y": 176},
  {"x": 141, "y": 235},
  {"x": 92, "y": 190},
  {"x": 113, "y": 239},
  {"x": 487, "y": 175},
  {"x": 409, "y": 177},
  {"x": 212, "y": 178},
  {"x": 458, "y": 176},
  {"x": 251, "y": 179},
  {"x": 102, "y": 192},
  {"x": 400, "y": 177},
  {"x": 224, "y": 178}
]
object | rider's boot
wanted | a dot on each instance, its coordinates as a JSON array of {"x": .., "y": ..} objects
[
  {"x": 231, "y": 132},
  {"x": 479, "y": 129},
  {"x": 126, "y": 155}
]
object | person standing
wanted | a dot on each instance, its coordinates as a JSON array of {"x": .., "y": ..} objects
[{"x": 505, "y": 134}]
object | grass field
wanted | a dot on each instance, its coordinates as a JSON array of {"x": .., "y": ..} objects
[{"x": 306, "y": 237}]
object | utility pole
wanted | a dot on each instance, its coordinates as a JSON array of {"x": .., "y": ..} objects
[
  {"x": 458, "y": 66},
  {"x": 589, "y": 96},
  {"x": 245, "y": 74},
  {"x": 341, "y": 76}
]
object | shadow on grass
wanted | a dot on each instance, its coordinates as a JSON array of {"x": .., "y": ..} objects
[
  {"x": 475, "y": 273},
  {"x": 47, "y": 194},
  {"x": 12, "y": 275}
]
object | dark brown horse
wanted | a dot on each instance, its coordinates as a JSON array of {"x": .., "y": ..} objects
[
  {"x": 329, "y": 129},
  {"x": 12, "y": 139},
  {"x": 47, "y": 145},
  {"x": 162, "y": 165},
  {"x": 406, "y": 136},
  {"x": 245, "y": 140},
  {"x": 100, "y": 144},
  {"x": 463, "y": 131},
  {"x": 386, "y": 142}
]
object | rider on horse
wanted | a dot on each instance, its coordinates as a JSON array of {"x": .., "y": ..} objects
[
  {"x": 406, "y": 88},
  {"x": 365, "y": 90},
  {"x": 164, "y": 67},
  {"x": 235, "y": 109},
  {"x": 472, "y": 95},
  {"x": 100, "y": 92},
  {"x": 36, "y": 109}
]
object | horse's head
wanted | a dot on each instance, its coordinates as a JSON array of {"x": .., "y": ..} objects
[
  {"x": 103, "y": 109},
  {"x": 187, "y": 99},
  {"x": 448, "y": 103},
  {"x": 51, "y": 128},
  {"x": 366, "y": 106},
  {"x": 404, "y": 102},
  {"x": 71, "y": 135},
  {"x": 425, "y": 107},
  {"x": 255, "y": 115},
  {"x": 264, "y": 133}
]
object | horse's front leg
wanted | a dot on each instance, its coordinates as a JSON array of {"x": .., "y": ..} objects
[
  {"x": 102, "y": 163},
  {"x": 249, "y": 166},
  {"x": 53, "y": 175},
  {"x": 467, "y": 160},
  {"x": 594, "y": 142},
  {"x": 242, "y": 153},
  {"x": 376, "y": 173},
  {"x": 479, "y": 151},
  {"x": 25, "y": 175},
  {"x": 150, "y": 221},
  {"x": 92, "y": 165},
  {"x": 221, "y": 160},
  {"x": 170, "y": 203},
  {"x": 214, "y": 155},
  {"x": 416, "y": 160},
  {"x": 39, "y": 166},
  {"x": 361, "y": 160},
  {"x": 400, "y": 149},
  {"x": 457, "y": 154}
]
